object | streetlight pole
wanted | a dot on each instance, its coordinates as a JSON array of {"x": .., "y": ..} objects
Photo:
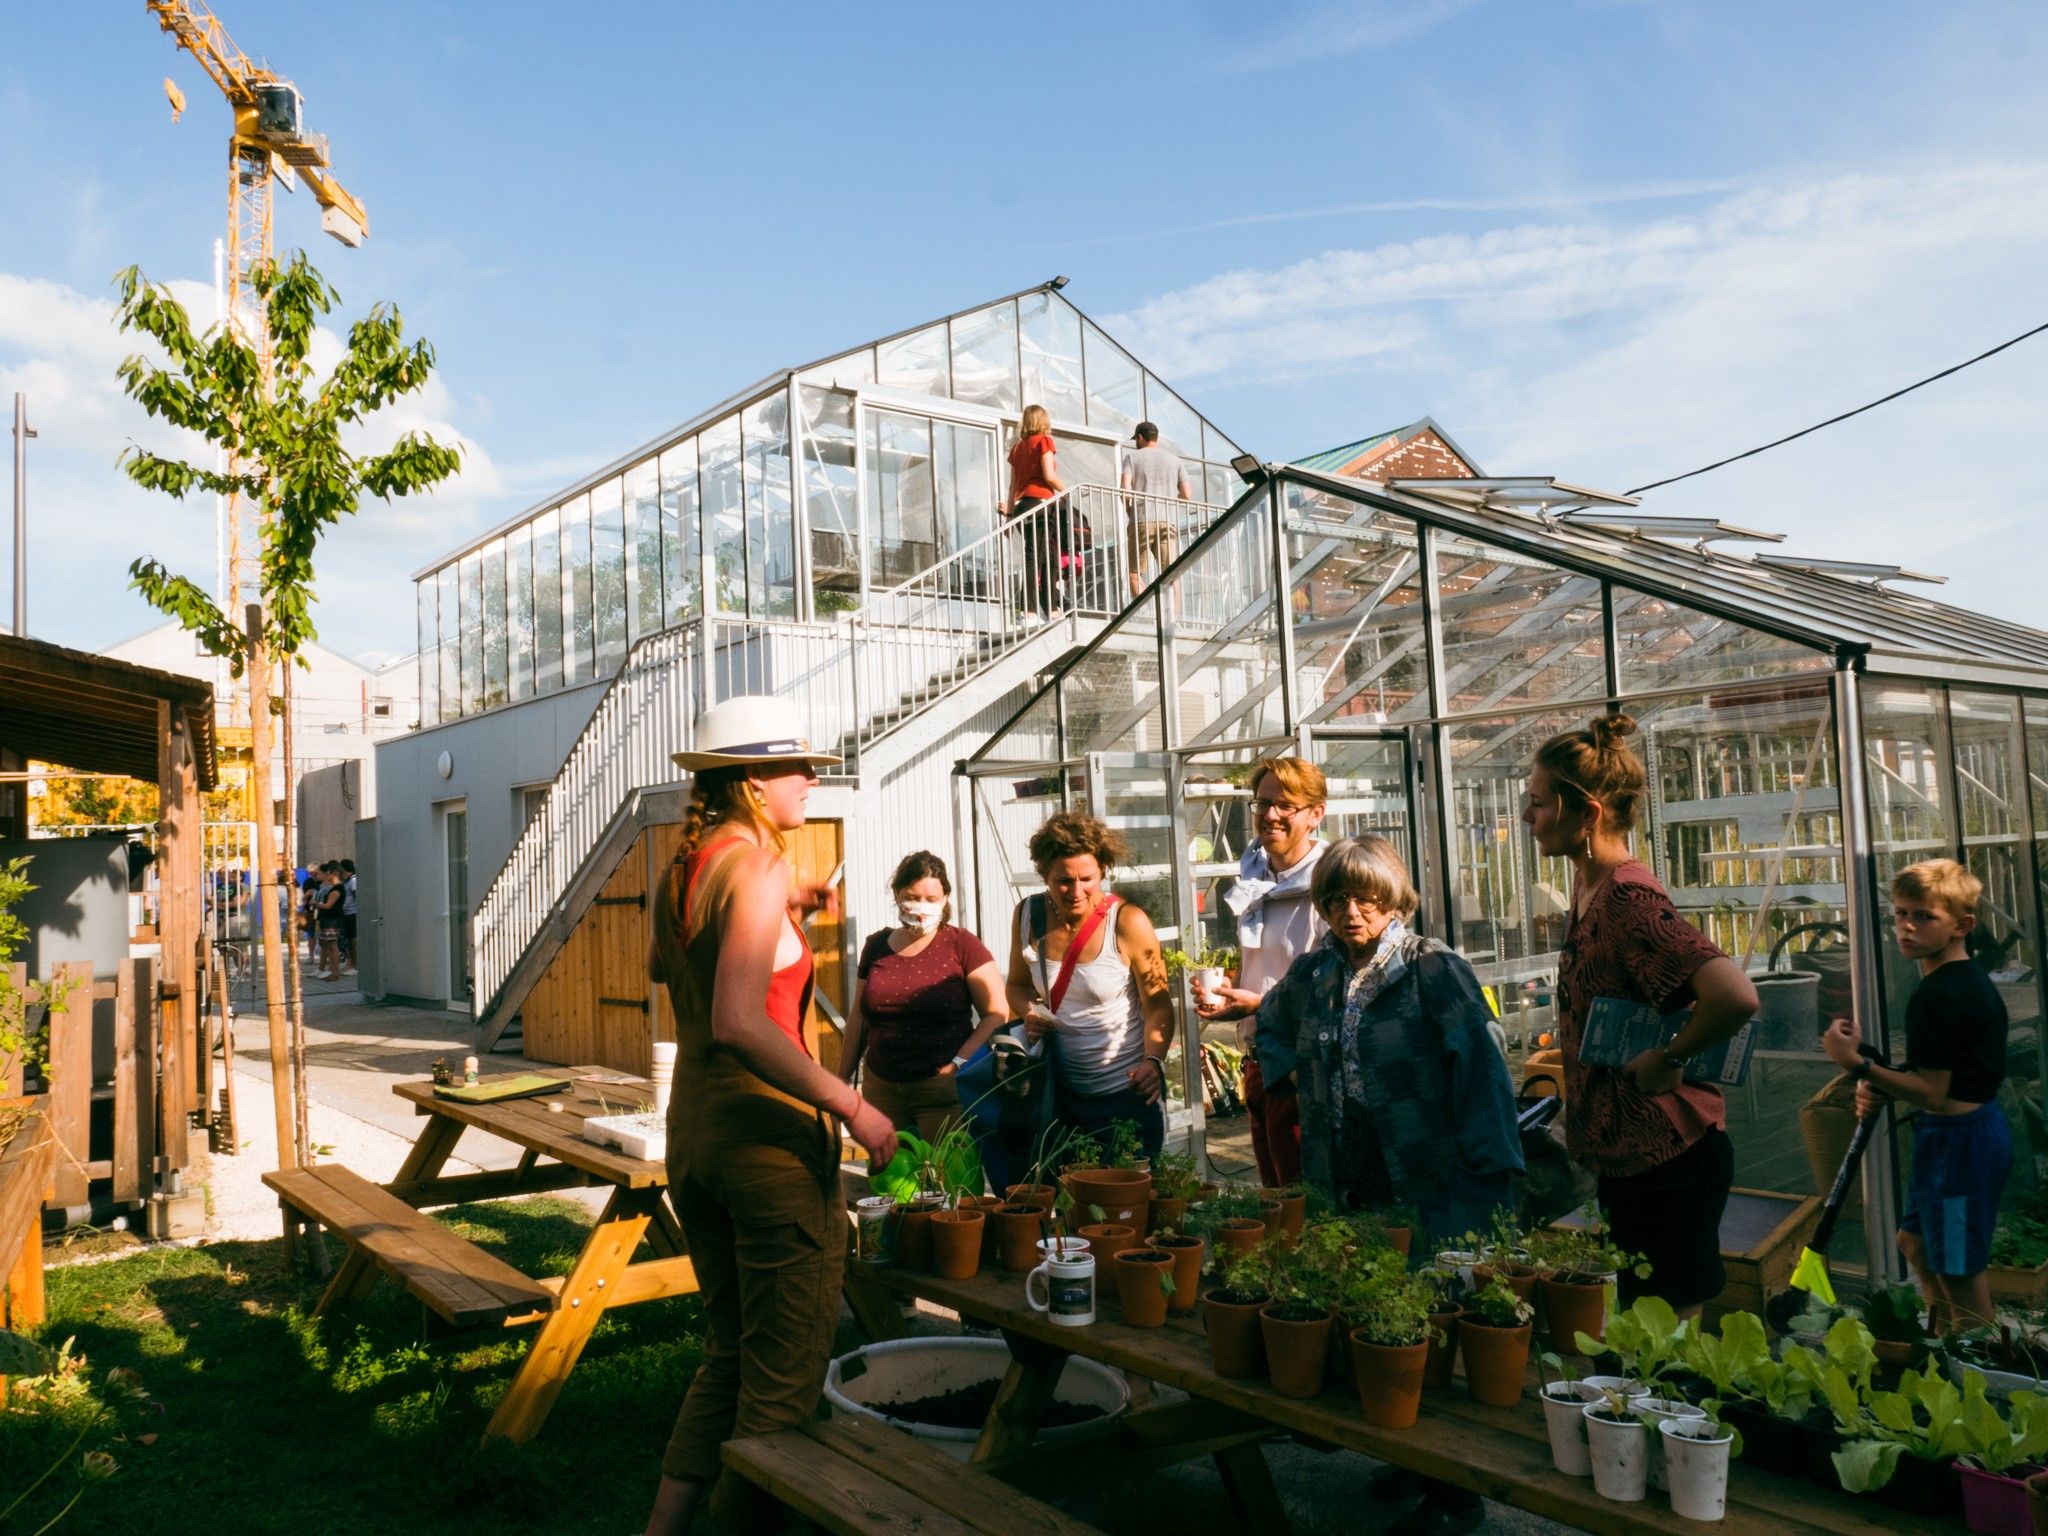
[{"x": 22, "y": 433}]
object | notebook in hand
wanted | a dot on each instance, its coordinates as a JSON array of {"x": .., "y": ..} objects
[
  {"x": 1618, "y": 1031},
  {"x": 523, "y": 1086}
]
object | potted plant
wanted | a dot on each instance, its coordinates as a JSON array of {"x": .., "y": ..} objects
[
  {"x": 1906, "y": 1442},
  {"x": 1293, "y": 1202},
  {"x": 1446, "y": 1306},
  {"x": 1694, "y": 1454},
  {"x": 1765, "y": 1400},
  {"x": 1618, "y": 1447},
  {"x": 1206, "y": 967},
  {"x": 1186, "y": 1251},
  {"x": 2018, "y": 1272},
  {"x": 2009, "y": 1359},
  {"x": 1649, "y": 1342},
  {"x": 1388, "y": 1311},
  {"x": 1106, "y": 1239},
  {"x": 1494, "y": 1333},
  {"x": 1503, "y": 1250},
  {"x": 1230, "y": 1313},
  {"x": 1230, "y": 1219},
  {"x": 1175, "y": 1186},
  {"x": 1107, "y": 1175},
  {"x": 1308, "y": 1281},
  {"x": 1578, "y": 1264},
  {"x": 1564, "y": 1416},
  {"x": 1144, "y": 1284},
  {"x": 2006, "y": 1451},
  {"x": 1893, "y": 1316}
]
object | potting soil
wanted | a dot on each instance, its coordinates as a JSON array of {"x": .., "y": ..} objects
[{"x": 968, "y": 1408}]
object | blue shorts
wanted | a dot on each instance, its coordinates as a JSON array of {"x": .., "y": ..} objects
[{"x": 1959, "y": 1168}]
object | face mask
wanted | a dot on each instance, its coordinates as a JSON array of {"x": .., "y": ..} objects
[{"x": 921, "y": 915}]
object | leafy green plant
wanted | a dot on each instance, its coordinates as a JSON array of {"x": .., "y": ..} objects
[
  {"x": 1250, "y": 1277},
  {"x": 1202, "y": 957},
  {"x": 2018, "y": 1438},
  {"x": 1505, "y": 1241},
  {"x": 2021, "y": 1241},
  {"x": 1386, "y": 1303},
  {"x": 1583, "y": 1252},
  {"x": 1126, "y": 1148},
  {"x": 1174, "y": 1177},
  {"x": 1845, "y": 1372},
  {"x": 1650, "y": 1338},
  {"x": 1550, "y": 1361},
  {"x": 1086, "y": 1156},
  {"x": 1893, "y": 1314},
  {"x": 22, "y": 1045},
  {"x": 1312, "y": 1276},
  {"x": 1929, "y": 1418},
  {"x": 1497, "y": 1305}
]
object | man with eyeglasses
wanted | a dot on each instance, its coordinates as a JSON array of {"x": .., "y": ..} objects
[{"x": 1276, "y": 923}]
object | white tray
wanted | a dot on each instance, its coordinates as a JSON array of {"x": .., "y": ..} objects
[{"x": 643, "y": 1136}]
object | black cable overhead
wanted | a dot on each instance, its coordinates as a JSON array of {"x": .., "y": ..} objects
[{"x": 1873, "y": 405}]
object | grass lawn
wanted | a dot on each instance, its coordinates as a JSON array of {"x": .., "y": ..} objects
[{"x": 267, "y": 1420}]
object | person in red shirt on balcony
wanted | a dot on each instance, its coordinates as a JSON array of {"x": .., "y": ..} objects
[{"x": 1034, "y": 481}]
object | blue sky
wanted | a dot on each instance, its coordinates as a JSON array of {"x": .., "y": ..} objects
[{"x": 1605, "y": 240}]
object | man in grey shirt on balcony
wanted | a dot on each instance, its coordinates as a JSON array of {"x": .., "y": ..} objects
[{"x": 1155, "y": 476}]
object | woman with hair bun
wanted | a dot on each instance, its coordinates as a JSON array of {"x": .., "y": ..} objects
[
  {"x": 1658, "y": 1144},
  {"x": 921, "y": 984}
]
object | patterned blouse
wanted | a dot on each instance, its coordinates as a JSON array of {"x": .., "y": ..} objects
[{"x": 1629, "y": 943}]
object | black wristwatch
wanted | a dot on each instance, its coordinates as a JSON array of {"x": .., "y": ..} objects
[{"x": 1861, "y": 1071}]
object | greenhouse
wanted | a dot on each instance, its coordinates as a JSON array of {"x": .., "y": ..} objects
[{"x": 1809, "y": 730}]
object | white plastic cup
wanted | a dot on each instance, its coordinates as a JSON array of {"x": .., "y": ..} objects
[
  {"x": 1696, "y": 1465},
  {"x": 663, "y": 1073},
  {"x": 1656, "y": 1412},
  {"x": 1564, "y": 1415},
  {"x": 1620, "y": 1454}
]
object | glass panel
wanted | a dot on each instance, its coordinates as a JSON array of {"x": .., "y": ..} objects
[
  {"x": 1217, "y": 448},
  {"x": 831, "y": 498},
  {"x": 964, "y": 475},
  {"x": 1226, "y": 645},
  {"x": 1111, "y": 696},
  {"x": 1034, "y": 737},
  {"x": 900, "y": 500},
  {"x": 771, "y": 526},
  {"x": 608, "y": 576},
  {"x": 472, "y": 600},
  {"x": 725, "y": 513},
  {"x": 1665, "y": 644},
  {"x": 1515, "y": 630},
  {"x": 1224, "y": 485},
  {"x": 1049, "y": 334},
  {"x": 428, "y": 660},
  {"x": 914, "y": 364},
  {"x": 1180, "y": 429},
  {"x": 1084, "y": 461},
  {"x": 848, "y": 369},
  {"x": 643, "y": 549},
  {"x": 1115, "y": 385},
  {"x": 1910, "y": 818},
  {"x": 1360, "y": 652},
  {"x": 520, "y": 636},
  {"x": 450, "y": 608},
  {"x": 1992, "y": 806},
  {"x": 547, "y": 603},
  {"x": 985, "y": 357},
  {"x": 493, "y": 621},
  {"x": 579, "y": 659},
  {"x": 681, "y": 556},
  {"x": 1508, "y": 903}
]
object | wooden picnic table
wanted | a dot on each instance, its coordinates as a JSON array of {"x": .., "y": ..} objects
[
  {"x": 606, "y": 1274},
  {"x": 1500, "y": 1453}
]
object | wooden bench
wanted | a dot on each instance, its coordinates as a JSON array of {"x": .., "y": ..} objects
[
  {"x": 862, "y": 1478},
  {"x": 451, "y": 1276}
]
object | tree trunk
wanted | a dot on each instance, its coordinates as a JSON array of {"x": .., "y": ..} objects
[
  {"x": 267, "y": 863},
  {"x": 296, "y": 1015}
]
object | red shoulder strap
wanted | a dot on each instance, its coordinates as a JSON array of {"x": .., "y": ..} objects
[{"x": 1073, "y": 955}]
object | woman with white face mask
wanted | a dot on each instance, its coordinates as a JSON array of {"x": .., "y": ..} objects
[{"x": 922, "y": 986}]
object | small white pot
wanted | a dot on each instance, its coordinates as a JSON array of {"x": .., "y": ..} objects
[
  {"x": 1657, "y": 1412},
  {"x": 1621, "y": 1456},
  {"x": 1208, "y": 981},
  {"x": 1564, "y": 1415},
  {"x": 1696, "y": 1465},
  {"x": 1630, "y": 1389},
  {"x": 1459, "y": 1259}
]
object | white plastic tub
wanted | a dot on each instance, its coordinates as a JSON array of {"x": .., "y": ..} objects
[{"x": 903, "y": 1370}]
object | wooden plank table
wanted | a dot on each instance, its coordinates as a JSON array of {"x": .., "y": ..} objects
[
  {"x": 606, "y": 1273},
  {"x": 1499, "y": 1453}
]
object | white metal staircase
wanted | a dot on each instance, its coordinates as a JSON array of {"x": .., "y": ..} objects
[{"x": 860, "y": 682}]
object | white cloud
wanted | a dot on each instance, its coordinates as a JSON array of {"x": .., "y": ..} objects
[{"x": 1614, "y": 353}]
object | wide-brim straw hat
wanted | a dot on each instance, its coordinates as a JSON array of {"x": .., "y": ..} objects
[{"x": 751, "y": 728}]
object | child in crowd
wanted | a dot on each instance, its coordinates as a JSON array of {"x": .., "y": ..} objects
[{"x": 1955, "y": 1061}]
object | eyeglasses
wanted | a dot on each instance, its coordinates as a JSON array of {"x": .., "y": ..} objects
[
  {"x": 1344, "y": 901},
  {"x": 1278, "y": 808}
]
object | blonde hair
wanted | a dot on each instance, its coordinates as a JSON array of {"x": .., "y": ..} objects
[
  {"x": 726, "y": 794},
  {"x": 1940, "y": 883},
  {"x": 1297, "y": 775},
  {"x": 1034, "y": 421},
  {"x": 1594, "y": 765},
  {"x": 1369, "y": 866}
]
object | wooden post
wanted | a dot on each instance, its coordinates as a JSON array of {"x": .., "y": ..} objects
[
  {"x": 70, "y": 1095},
  {"x": 179, "y": 860},
  {"x": 266, "y": 887},
  {"x": 134, "y": 1144}
]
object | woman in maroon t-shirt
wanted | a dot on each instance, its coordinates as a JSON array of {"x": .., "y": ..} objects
[
  {"x": 1657, "y": 1143},
  {"x": 1035, "y": 480},
  {"x": 921, "y": 985}
]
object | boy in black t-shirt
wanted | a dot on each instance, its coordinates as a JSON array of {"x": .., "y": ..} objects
[{"x": 1955, "y": 1061}]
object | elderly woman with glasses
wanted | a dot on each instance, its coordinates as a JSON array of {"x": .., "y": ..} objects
[{"x": 1404, "y": 1094}]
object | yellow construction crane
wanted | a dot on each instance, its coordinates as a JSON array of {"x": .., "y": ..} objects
[{"x": 269, "y": 145}]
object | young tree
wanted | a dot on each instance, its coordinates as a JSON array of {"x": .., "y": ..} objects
[{"x": 281, "y": 429}]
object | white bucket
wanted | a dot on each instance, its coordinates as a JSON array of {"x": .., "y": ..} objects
[{"x": 904, "y": 1370}]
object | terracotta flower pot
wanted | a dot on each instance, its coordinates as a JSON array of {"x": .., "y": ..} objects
[
  {"x": 1187, "y": 1270},
  {"x": 1440, "y": 1355},
  {"x": 1241, "y": 1234},
  {"x": 1496, "y": 1360},
  {"x": 1017, "y": 1236},
  {"x": 1032, "y": 1194},
  {"x": 1138, "y": 1271},
  {"x": 956, "y": 1241},
  {"x": 1521, "y": 1278},
  {"x": 913, "y": 1235},
  {"x": 1124, "y": 1194},
  {"x": 1273, "y": 1216},
  {"x": 1236, "y": 1345},
  {"x": 1168, "y": 1214},
  {"x": 1297, "y": 1350},
  {"x": 1572, "y": 1307},
  {"x": 1399, "y": 1238},
  {"x": 1389, "y": 1381},
  {"x": 1293, "y": 1208},
  {"x": 1107, "y": 1239},
  {"x": 988, "y": 1205}
]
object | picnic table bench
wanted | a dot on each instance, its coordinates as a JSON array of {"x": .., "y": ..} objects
[
  {"x": 861, "y": 1478},
  {"x": 1499, "y": 1453}
]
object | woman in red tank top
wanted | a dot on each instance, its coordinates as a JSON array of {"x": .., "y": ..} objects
[
  {"x": 753, "y": 1159},
  {"x": 1034, "y": 481}
]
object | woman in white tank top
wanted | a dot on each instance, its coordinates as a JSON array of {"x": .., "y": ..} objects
[{"x": 1110, "y": 1024}]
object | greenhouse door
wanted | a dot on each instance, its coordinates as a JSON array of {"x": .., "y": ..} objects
[{"x": 1374, "y": 787}]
